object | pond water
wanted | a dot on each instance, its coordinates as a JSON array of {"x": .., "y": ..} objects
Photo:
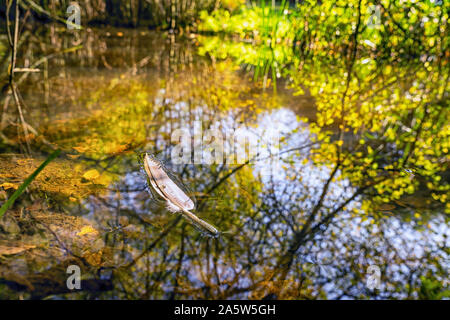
[{"x": 328, "y": 216}]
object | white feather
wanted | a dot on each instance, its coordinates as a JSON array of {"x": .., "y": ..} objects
[
  {"x": 165, "y": 186},
  {"x": 177, "y": 200}
]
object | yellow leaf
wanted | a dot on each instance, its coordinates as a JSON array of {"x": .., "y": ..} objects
[
  {"x": 80, "y": 149},
  {"x": 91, "y": 174},
  {"x": 8, "y": 185},
  {"x": 6, "y": 250}
]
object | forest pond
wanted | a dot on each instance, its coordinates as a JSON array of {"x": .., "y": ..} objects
[{"x": 356, "y": 207}]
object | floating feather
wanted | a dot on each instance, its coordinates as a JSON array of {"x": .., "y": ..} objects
[{"x": 176, "y": 199}]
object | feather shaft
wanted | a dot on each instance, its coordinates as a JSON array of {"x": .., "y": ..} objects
[{"x": 202, "y": 224}]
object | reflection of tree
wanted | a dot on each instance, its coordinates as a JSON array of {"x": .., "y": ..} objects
[
  {"x": 173, "y": 14},
  {"x": 392, "y": 126}
]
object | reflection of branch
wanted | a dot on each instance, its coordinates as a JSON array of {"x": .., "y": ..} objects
[
  {"x": 416, "y": 138},
  {"x": 251, "y": 160},
  {"x": 349, "y": 77},
  {"x": 13, "y": 83},
  {"x": 307, "y": 234},
  {"x": 14, "y": 42},
  {"x": 8, "y": 31},
  {"x": 299, "y": 237},
  {"x": 26, "y": 70},
  {"x": 406, "y": 33},
  {"x": 44, "y": 59},
  {"x": 155, "y": 242},
  {"x": 180, "y": 261},
  {"x": 22, "y": 120},
  {"x": 39, "y": 9},
  {"x": 60, "y": 242}
]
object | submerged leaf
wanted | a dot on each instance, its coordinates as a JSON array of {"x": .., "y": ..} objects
[
  {"x": 86, "y": 230},
  {"x": 7, "y": 250}
]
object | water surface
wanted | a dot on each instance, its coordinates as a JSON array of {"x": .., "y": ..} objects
[{"x": 309, "y": 228}]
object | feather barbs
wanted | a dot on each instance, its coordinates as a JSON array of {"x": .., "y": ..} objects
[
  {"x": 176, "y": 199},
  {"x": 165, "y": 186}
]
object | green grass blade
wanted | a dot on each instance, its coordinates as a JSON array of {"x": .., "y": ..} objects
[{"x": 27, "y": 181}]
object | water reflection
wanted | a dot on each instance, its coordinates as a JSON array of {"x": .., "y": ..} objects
[{"x": 309, "y": 229}]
